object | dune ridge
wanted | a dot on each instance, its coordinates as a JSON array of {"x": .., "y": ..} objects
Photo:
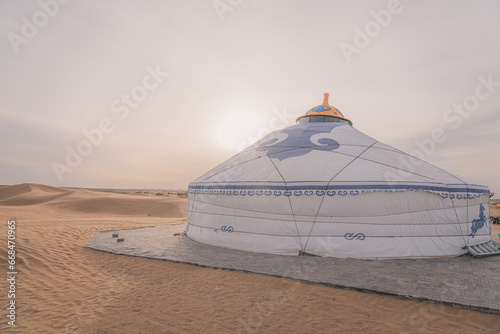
[
  {"x": 83, "y": 201},
  {"x": 30, "y": 194}
]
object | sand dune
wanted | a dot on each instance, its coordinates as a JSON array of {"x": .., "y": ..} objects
[
  {"x": 87, "y": 202},
  {"x": 65, "y": 288},
  {"x": 81, "y": 201},
  {"x": 30, "y": 194},
  {"x": 126, "y": 206},
  {"x": 10, "y": 191}
]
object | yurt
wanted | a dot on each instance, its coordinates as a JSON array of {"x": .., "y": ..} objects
[{"x": 323, "y": 188}]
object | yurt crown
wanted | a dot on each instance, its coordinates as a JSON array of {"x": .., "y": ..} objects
[{"x": 323, "y": 113}]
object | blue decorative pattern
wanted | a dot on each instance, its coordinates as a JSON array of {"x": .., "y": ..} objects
[
  {"x": 352, "y": 236},
  {"x": 301, "y": 139},
  {"x": 228, "y": 229},
  {"x": 477, "y": 224},
  {"x": 332, "y": 189},
  {"x": 325, "y": 107},
  {"x": 321, "y": 108}
]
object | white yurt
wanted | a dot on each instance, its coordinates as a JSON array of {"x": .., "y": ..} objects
[{"x": 323, "y": 188}]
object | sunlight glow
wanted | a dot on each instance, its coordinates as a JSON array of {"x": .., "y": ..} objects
[{"x": 237, "y": 130}]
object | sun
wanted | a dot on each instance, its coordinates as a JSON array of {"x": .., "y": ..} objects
[{"x": 236, "y": 130}]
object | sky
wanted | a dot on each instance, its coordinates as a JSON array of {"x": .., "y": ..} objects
[{"x": 152, "y": 94}]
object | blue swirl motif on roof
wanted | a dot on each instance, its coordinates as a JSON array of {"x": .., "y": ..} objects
[
  {"x": 301, "y": 139},
  {"x": 321, "y": 108},
  {"x": 325, "y": 107},
  {"x": 477, "y": 224}
]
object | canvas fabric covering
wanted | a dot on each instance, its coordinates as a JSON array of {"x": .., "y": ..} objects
[{"x": 327, "y": 189}]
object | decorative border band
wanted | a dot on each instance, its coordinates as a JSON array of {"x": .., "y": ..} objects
[{"x": 331, "y": 190}]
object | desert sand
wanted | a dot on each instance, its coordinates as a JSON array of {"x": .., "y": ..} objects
[{"x": 63, "y": 287}]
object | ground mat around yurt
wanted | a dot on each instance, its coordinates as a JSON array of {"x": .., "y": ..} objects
[{"x": 462, "y": 281}]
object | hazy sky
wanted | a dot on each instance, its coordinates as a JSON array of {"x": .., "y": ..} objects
[{"x": 177, "y": 87}]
